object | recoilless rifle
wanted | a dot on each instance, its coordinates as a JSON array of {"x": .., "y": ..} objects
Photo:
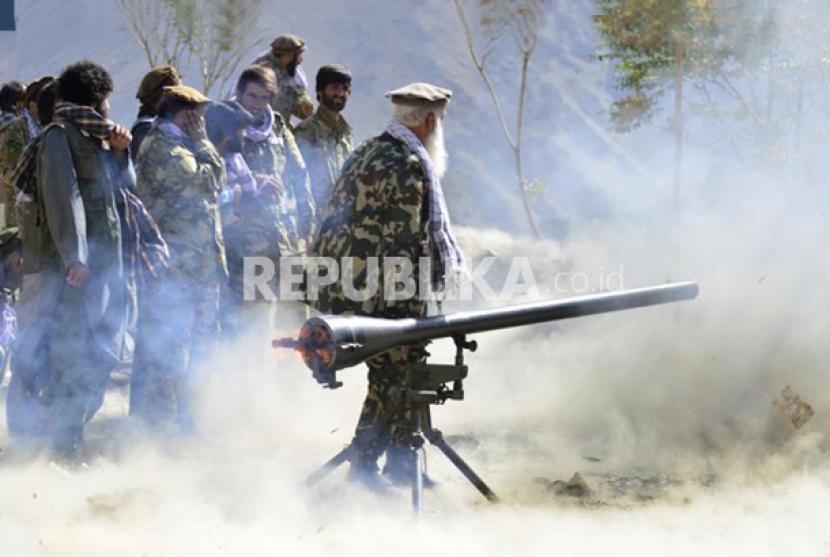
[{"x": 330, "y": 343}]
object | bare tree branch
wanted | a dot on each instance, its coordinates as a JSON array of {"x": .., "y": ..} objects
[
  {"x": 212, "y": 35},
  {"x": 479, "y": 64},
  {"x": 521, "y": 18}
]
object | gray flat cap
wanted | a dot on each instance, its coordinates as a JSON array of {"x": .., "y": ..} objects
[{"x": 420, "y": 94}]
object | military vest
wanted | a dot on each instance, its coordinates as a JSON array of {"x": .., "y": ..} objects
[{"x": 95, "y": 169}]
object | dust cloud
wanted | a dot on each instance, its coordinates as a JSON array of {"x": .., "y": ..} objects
[{"x": 666, "y": 412}]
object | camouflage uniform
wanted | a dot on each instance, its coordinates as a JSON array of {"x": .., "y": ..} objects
[
  {"x": 265, "y": 226},
  {"x": 378, "y": 209},
  {"x": 13, "y": 139},
  {"x": 325, "y": 143},
  {"x": 280, "y": 158},
  {"x": 290, "y": 95},
  {"x": 6, "y": 117},
  {"x": 179, "y": 182}
]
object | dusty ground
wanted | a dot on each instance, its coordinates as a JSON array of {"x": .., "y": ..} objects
[
  {"x": 237, "y": 490},
  {"x": 666, "y": 414}
]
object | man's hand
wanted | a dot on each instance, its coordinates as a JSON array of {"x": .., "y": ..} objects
[
  {"x": 194, "y": 126},
  {"x": 120, "y": 139},
  {"x": 268, "y": 185},
  {"x": 77, "y": 274},
  {"x": 305, "y": 109}
]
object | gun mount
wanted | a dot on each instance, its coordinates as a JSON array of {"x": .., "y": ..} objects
[{"x": 330, "y": 343}]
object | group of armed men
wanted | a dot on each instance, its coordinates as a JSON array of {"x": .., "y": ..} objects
[{"x": 143, "y": 233}]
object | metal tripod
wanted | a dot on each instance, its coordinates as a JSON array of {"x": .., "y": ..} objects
[{"x": 424, "y": 386}]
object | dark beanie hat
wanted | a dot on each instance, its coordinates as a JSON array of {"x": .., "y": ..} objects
[{"x": 332, "y": 73}]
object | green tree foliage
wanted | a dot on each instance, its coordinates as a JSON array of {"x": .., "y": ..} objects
[
  {"x": 757, "y": 72},
  {"x": 657, "y": 46}
]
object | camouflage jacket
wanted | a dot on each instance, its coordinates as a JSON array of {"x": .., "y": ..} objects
[
  {"x": 325, "y": 144},
  {"x": 379, "y": 208},
  {"x": 179, "y": 183},
  {"x": 14, "y": 137},
  {"x": 280, "y": 158},
  {"x": 6, "y": 117},
  {"x": 290, "y": 94}
]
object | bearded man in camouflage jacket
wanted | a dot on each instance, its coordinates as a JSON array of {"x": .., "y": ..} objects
[{"x": 388, "y": 203}]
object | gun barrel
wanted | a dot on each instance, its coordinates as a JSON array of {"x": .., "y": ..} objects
[
  {"x": 332, "y": 342},
  {"x": 555, "y": 310}
]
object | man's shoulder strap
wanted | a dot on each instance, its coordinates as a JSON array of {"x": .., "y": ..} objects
[{"x": 72, "y": 132}]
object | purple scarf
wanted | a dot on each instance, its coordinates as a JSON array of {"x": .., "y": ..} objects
[
  {"x": 168, "y": 127},
  {"x": 239, "y": 173},
  {"x": 261, "y": 132}
]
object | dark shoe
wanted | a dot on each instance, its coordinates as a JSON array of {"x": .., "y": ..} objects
[
  {"x": 366, "y": 474},
  {"x": 69, "y": 451}
]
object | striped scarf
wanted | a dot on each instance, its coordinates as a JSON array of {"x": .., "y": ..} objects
[
  {"x": 446, "y": 254},
  {"x": 142, "y": 237},
  {"x": 85, "y": 119}
]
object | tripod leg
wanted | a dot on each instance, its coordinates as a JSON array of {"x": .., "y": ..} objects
[
  {"x": 437, "y": 438},
  {"x": 329, "y": 466},
  {"x": 418, "y": 482},
  {"x": 419, "y": 465}
]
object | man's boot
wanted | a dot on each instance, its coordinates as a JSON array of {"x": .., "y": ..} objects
[
  {"x": 68, "y": 447},
  {"x": 364, "y": 470}
]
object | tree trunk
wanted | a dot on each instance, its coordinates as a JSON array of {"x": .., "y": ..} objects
[
  {"x": 799, "y": 115},
  {"x": 517, "y": 150},
  {"x": 679, "y": 60},
  {"x": 770, "y": 70}
]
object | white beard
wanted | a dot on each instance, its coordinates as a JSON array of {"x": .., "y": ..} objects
[{"x": 436, "y": 149}]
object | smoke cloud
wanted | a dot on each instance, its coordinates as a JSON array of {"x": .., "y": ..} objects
[{"x": 666, "y": 412}]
